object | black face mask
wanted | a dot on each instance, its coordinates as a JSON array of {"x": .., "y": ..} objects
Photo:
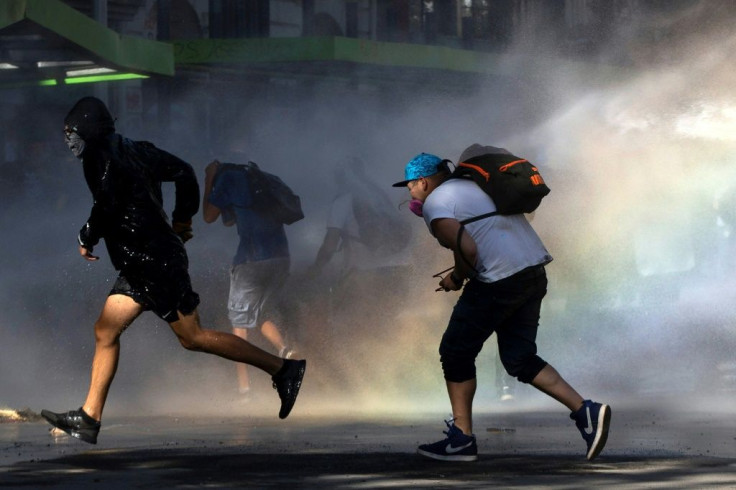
[{"x": 75, "y": 143}]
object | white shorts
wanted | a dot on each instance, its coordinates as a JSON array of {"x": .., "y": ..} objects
[{"x": 252, "y": 285}]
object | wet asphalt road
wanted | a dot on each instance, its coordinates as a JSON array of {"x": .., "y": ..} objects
[{"x": 658, "y": 446}]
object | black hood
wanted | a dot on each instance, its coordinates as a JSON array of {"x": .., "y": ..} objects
[{"x": 90, "y": 119}]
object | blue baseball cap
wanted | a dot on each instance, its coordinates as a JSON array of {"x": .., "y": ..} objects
[{"x": 422, "y": 165}]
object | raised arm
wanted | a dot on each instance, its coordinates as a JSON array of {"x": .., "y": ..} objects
[
  {"x": 210, "y": 212},
  {"x": 446, "y": 231},
  {"x": 170, "y": 168}
]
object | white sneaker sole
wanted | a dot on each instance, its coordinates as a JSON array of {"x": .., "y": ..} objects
[
  {"x": 601, "y": 434},
  {"x": 451, "y": 457}
]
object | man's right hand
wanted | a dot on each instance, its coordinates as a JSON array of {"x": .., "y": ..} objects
[
  {"x": 447, "y": 283},
  {"x": 87, "y": 254}
]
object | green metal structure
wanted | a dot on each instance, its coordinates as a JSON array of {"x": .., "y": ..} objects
[{"x": 42, "y": 41}]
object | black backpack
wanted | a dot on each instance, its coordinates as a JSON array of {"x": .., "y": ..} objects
[
  {"x": 513, "y": 183},
  {"x": 271, "y": 196}
]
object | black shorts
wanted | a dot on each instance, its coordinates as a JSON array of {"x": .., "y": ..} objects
[
  {"x": 165, "y": 293},
  {"x": 510, "y": 308}
]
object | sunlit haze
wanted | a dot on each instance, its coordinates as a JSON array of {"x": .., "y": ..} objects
[{"x": 639, "y": 157}]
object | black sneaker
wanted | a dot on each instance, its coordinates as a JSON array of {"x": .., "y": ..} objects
[
  {"x": 76, "y": 423},
  {"x": 287, "y": 383},
  {"x": 457, "y": 446},
  {"x": 592, "y": 420}
]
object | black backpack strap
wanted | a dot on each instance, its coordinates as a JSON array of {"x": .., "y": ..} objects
[
  {"x": 479, "y": 217},
  {"x": 460, "y": 235}
]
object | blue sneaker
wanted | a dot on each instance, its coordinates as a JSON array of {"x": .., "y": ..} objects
[
  {"x": 592, "y": 420},
  {"x": 457, "y": 446}
]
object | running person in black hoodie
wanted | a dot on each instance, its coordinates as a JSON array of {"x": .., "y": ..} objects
[{"x": 125, "y": 179}]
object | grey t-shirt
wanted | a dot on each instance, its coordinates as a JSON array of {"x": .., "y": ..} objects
[{"x": 506, "y": 244}]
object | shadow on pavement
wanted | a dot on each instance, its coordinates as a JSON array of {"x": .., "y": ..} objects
[{"x": 221, "y": 468}]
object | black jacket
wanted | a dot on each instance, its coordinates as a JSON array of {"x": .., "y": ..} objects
[{"x": 125, "y": 178}]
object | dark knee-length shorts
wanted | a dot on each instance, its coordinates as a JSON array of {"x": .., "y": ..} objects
[{"x": 510, "y": 308}]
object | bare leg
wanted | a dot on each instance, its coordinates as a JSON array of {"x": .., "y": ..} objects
[
  {"x": 242, "y": 369},
  {"x": 193, "y": 337},
  {"x": 550, "y": 382},
  {"x": 273, "y": 335},
  {"x": 117, "y": 314},
  {"x": 461, "y": 400}
]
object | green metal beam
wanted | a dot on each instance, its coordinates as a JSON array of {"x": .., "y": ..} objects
[
  {"x": 259, "y": 50},
  {"x": 366, "y": 52},
  {"x": 130, "y": 53}
]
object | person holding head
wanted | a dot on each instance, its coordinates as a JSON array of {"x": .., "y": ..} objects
[
  {"x": 261, "y": 263},
  {"x": 125, "y": 178},
  {"x": 499, "y": 265},
  {"x": 365, "y": 247},
  {"x": 361, "y": 228}
]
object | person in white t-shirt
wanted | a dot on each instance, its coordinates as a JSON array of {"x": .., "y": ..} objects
[
  {"x": 502, "y": 259},
  {"x": 365, "y": 247},
  {"x": 359, "y": 200}
]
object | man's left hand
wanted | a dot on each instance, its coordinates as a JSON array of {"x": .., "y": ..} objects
[{"x": 183, "y": 229}]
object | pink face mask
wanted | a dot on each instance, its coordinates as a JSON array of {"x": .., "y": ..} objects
[{"x": 415, "y": 206}]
